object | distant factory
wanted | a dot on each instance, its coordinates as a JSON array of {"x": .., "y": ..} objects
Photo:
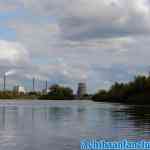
[
  {"x": 19, "y": 89},
  {"x": 42, "y": 87}
]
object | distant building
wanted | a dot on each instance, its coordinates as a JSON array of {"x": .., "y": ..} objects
[
  {"x": 19, "y": 89},
  {"x": 45, "y": 91},
  {"x": 82, "y": 90}
]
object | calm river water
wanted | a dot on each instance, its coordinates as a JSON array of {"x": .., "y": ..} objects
[{"x": 60, "y": 125}]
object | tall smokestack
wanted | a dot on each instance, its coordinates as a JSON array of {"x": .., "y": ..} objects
[
  {"x": 46, "y": 85},
  {"x": 33, "y": 85},
  {"x": 4, "y": 82}
]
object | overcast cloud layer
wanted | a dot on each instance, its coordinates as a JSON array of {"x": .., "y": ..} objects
[{"x": 68, "y": 41}]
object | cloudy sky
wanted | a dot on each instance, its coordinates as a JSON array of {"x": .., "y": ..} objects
[{"x": 68, "y": 41}]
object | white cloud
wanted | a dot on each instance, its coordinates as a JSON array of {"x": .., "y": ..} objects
[
  {"x": 8, "y": 6},
  {"x": 13, "y": 53},
  {"x": 92, "y": 38}
]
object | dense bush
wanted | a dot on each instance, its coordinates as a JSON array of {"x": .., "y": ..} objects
[
  {"x": 137, "y": 91},
  {"x": 59, "y": 93}
]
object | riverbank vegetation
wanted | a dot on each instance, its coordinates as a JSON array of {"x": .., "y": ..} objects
[
  {"x": 57, "y": 92},
  {"x": 134, "y": 92},
  {"x": 18, "y": 96}
]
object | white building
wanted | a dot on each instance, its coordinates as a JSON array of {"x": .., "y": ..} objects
[
  {"x": 45, "y": 91},
  {"x": 19, "y": 89}
]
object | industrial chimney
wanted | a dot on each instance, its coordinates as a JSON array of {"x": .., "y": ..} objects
[
  {"x": 46, "y": 86},
  {"x": 4, "y": 83},
  {"x": 33, "y": 85}
]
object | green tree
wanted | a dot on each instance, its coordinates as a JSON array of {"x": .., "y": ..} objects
[
  {"x": 136, "y": 91},
  {"x": 59, "y": 93}
]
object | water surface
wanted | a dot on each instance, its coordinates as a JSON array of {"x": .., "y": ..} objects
[{"x": 60, "y": 125}]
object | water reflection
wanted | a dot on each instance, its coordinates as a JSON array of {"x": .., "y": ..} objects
[
  {"x": 57, "y": 114},
  {"x": 135, "y": 120},
  {"x": 2, "y": 118},
  {"x": 8, "y": 117},
  {"x": 61, "y": 125}
]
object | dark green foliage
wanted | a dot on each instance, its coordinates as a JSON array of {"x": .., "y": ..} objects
[
  {"x": 59, "y": 93},
  {"x": 13, "y": 95},
  {"x": 7, "y": 95},
  {"x": 101, "y": 95},
  {"x": 136, "y": 92}
]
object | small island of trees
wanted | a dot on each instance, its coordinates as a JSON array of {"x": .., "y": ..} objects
[{"x": 57, "y": 92}]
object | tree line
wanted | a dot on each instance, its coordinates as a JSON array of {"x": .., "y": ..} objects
[
  {"x": 135, "y": 92},
  {"x": 56, "y": 92}
]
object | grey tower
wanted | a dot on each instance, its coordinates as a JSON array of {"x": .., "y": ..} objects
[
  {"x": 33, "y": 85},
  {"x": 4, "y": 83},
  {"x": 81, "y": 89}
]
